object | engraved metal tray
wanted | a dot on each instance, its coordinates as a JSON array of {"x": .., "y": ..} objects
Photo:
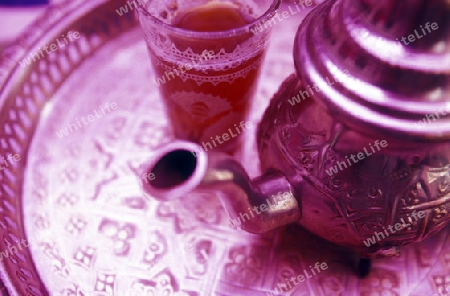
[{"x": 77, "y": 201}]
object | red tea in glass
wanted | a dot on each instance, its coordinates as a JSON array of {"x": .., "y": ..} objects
[{"x": 207, "y": 62}]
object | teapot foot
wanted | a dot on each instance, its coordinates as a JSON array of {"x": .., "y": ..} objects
[{"x": 363, "y": 266}]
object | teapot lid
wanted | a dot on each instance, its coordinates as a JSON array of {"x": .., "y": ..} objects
[{"x": 380, "y": 65}]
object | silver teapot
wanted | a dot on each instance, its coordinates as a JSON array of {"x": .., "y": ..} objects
[{"x": 354, "y": 147}]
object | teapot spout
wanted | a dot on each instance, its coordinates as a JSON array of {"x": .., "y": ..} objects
[{"x": 256, "y": 206}]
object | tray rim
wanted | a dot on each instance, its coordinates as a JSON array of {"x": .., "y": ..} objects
[{"x": 54, "y": 21}]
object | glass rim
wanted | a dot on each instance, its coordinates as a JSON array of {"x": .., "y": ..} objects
[{"x": 268, "y": 14}]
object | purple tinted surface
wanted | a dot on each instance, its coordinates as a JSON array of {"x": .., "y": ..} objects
[
  {"x": 22, "y": 2},
  {"x": 97, "y": 234}
]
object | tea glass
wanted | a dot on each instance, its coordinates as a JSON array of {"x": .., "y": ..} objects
[{"x": 207, "y": 72}]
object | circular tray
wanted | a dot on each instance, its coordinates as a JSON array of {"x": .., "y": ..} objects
[{"x": 78, "y": 203}]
